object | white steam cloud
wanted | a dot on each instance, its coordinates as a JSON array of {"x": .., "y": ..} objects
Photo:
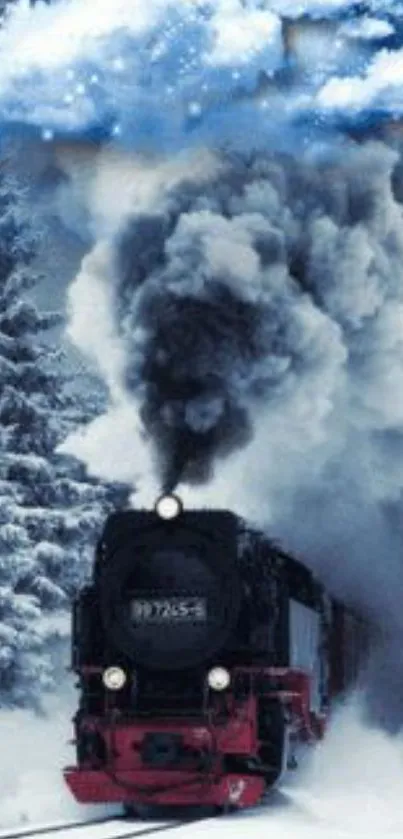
[{"x": 126, "y": 455}]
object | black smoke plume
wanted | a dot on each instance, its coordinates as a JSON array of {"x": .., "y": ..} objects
[{"x": 221, "y": 307}]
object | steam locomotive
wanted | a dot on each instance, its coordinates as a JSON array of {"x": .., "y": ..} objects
[{"x": 206, "y": 656}]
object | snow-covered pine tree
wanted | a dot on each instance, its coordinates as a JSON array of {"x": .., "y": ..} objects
[{"x": 49, "y": 511}]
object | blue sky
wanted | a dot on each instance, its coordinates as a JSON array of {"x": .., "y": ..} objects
[{"x": 164, "y": 75}]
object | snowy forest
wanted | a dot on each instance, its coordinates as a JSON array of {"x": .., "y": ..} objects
[{"x": 50, "y": 511}]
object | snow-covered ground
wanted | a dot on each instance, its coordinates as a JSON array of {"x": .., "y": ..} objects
[
  {"x": 34, "y": 751},
  {"x": 350, "y": 787}
]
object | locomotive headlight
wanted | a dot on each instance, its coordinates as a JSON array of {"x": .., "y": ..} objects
[
  {"x": 218, "y": 678},
  {"x": 168, "y": 507},
  {"x": 114, "y": 678}
]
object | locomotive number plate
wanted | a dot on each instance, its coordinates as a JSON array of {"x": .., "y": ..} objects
[{"x": 169, "y": 610}]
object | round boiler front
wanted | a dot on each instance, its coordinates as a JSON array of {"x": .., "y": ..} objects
[{"x": 170, "y": 597}]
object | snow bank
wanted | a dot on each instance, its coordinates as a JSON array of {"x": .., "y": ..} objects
[
  {"x": 34, "y": 750},
  {"x": 353, "y": 781}
]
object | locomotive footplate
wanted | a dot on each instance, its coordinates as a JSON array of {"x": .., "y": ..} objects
[{"x": 173, "y": 787}]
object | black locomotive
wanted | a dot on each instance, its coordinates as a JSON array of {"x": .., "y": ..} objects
[{"x": 206, "y": 655}]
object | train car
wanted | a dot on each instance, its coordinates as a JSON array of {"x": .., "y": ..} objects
[{"x": 205, "y": 656}]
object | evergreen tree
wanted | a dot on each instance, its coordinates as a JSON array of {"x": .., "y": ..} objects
[{"x": 49, "y": 511}]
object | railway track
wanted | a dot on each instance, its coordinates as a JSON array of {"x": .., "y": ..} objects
[{"x": 112, "y": 827}]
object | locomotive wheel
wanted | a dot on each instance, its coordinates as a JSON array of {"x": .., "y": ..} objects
[
  {"x": 137, "y": 811},
  {"x": 165, "y": 811},
  {"x": 225, "y": 809}
]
